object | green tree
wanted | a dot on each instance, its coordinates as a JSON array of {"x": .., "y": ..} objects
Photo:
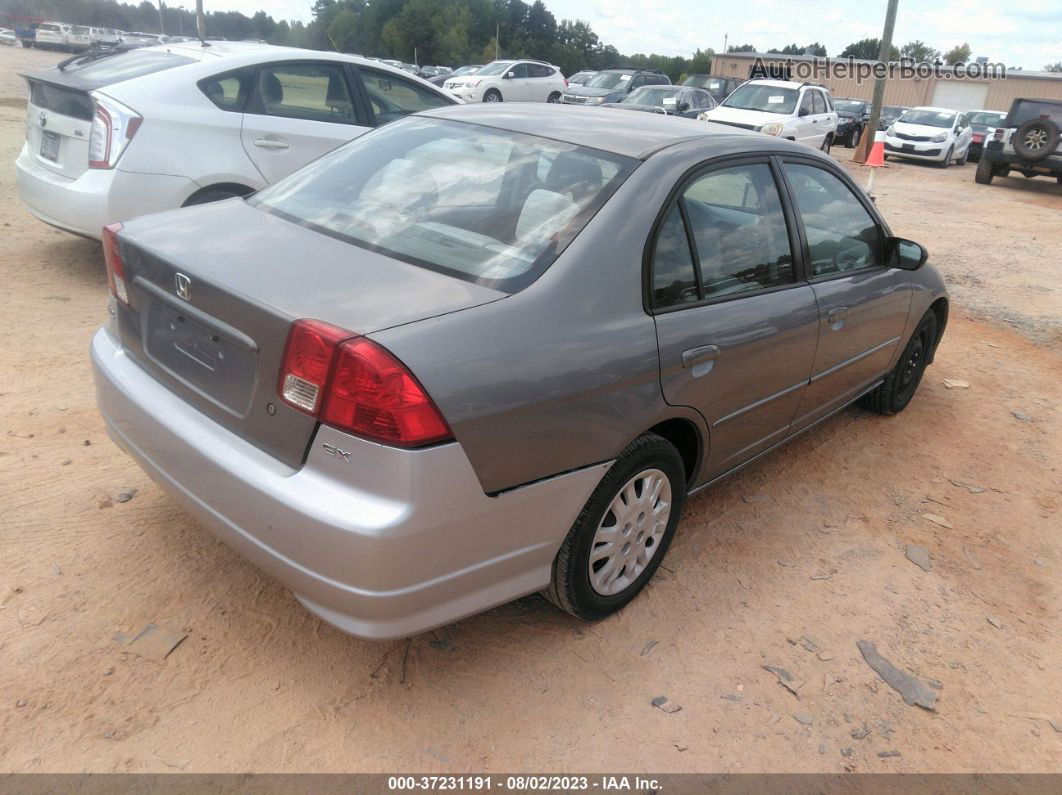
[
  {"x": 958, "y": 54},
  {"x": 919, "y": 52},
  {"x": 1054, "y": 67},
  {"x": 741, "y": 48},
  {"x": 867, "y": 50},
  {"x": 700, "y": 63}
]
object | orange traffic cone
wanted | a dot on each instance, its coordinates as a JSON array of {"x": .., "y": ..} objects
[{"x": 877, "y": 150}]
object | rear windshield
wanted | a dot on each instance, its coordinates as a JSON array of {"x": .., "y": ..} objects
[
  {"x": 986, "y": 119},
  {"x": 125, "y": 66},
  {"x": 64, "y": 101},
  {"x": 850, "y": 105},
  {"x": 485, "y": 205}
]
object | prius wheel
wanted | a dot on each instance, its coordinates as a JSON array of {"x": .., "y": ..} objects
[
  {"x": 623, "y": 531},
  {"x": 899, "y": 386},
  {"x": 494, "y": 95}
]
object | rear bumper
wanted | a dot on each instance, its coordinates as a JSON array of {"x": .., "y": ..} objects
[
  {"x": 390, "y": 543},
  {"x": 98, "y": 197}
]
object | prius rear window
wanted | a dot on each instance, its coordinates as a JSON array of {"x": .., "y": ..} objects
[{"x": 125, "y": 66}]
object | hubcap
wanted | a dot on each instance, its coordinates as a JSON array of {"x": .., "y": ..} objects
[
  {"x": 630, "y": 532},
  {"x": 491, "y": 98},
  {"x": 910, "y": 367},
  {"x": 1035, "y": 139}
]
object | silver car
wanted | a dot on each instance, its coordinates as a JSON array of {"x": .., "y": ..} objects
[{"x": 482, "y": 352}]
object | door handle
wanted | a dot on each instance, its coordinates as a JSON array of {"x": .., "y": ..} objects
[
  {"x": 271, "y": 143},
  {"x": 700, "y": 360},
  {"x": 836, "y": 317}
]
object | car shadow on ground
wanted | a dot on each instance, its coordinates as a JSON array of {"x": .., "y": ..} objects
[{"x": 76, "y": 256}]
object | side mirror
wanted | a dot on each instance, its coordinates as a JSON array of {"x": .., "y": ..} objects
[
  {"x": 510, "y": 75},
  {"x": 682, "y": 107},
  {"x": 905, "y": 254},
  {"x": 803, "y": 112}
]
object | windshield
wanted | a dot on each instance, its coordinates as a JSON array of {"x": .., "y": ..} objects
[
  {"x": 489, "y": 206},
  {"x": 753, "y": 96},
  {"x": 653, "y": 95},
  {"x": 930, "y": 118},
  {"x": 495, "y": 68},
  {"x": 713, "y": 84},
  {"x": 850, "y": 105},
  {"x": 987, "y": 119},
  {"x": 465, "y": 70},
  {"x": 608, "y": 80}
]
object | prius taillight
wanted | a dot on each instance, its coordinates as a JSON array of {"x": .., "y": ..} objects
[{"x": 355, "y": 385}]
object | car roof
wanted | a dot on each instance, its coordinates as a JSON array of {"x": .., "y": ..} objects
[
  {"x": 936, "y": 109},
  {"x": 599, "y": 128}
]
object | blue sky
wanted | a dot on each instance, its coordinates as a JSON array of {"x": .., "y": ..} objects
[{"x": 1026, "y": 33}]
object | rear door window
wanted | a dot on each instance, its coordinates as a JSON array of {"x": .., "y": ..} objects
[
  {"x": 818, "y": 101},
  {"x": 310, "y": 91},
  {"x": 392, "y": 97}
]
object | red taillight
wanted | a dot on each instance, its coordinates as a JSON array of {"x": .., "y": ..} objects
[
  {"x": 566, "y": 82},
  {"x": 100, "y": 139},
  {"x": 355, "y": 385},
  {"x": 115, "y": 267}
]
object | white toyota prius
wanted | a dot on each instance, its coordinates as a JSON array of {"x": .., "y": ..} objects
[{"x": 112, "y": 135}]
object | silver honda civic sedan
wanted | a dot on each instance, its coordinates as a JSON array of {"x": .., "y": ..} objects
[{"x": 487, "y": 351}]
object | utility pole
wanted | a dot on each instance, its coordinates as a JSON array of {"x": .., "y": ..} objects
[
  {"x": 879, "y": 85},
  {"x": 726, "y": 38},
  {"x": 162, "y": 27},
  {"x": 497, "y": 44},
  {"x": 200, "y": 20}
]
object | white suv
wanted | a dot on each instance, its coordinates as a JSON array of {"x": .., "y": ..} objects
[
  {"x": 113, "y": 136},
  {"x": 798, "y": 111},
  {"x": 52, "y": 36},
  {"x": 510, "y": 81}
]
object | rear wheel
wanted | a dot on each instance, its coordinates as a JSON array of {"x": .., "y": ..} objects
[
  {"x": 985, "y": 172},
  {"x": 493, "y": 95},
  {"x": 899, "y": 386},
  {"x": 554, "y": 97},
  {"x": 623, "y": 531}
]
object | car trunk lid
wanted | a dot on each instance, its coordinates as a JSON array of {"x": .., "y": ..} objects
[
  {"x": 214, "y": 291},
  {"x": 58, "y": 123}
]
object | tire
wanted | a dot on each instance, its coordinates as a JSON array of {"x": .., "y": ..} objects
[
  {"x": 984, "y": 173},
  {"x": 1035, "y": 139},
  {"x": 947, "y": 158},
  {"x": 583, "y": 585},
  {"x": 851, "y": 141},
  {"x": 962, "y": 160},
  {"x": 492, "y": 95},
  {"x": 895, "y": 392},
  {"x": 208, "y": 195},
  {"x": 554, "y": 97},
  {"x": 827, "y": 142}
]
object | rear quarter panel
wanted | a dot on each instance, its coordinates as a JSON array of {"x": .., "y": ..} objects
[{"x": 564, "y": 373}]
